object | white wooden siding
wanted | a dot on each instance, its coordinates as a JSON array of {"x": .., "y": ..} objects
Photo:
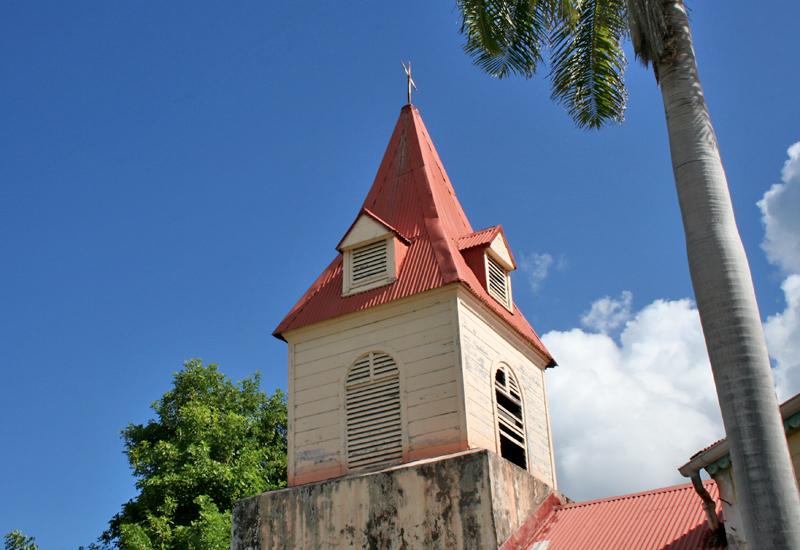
[
  {"x": 484, "y": 344},
  {"x": 420, "y": 333}
]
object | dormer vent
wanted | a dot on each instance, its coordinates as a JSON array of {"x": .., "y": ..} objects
[
  {"x": 372, "y": 251},
  {"x": 497, "y": 282},
  {"x": 370, "y": 262}
]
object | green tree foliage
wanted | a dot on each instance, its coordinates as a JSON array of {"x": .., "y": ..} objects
[
  {"x": 212, "y": 442},
  {"x": 16, "y": 540}
]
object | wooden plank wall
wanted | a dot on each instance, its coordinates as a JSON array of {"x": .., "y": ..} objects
[
  {"x": 420, "y": 333},
  {"x": 482, "y": 348}
]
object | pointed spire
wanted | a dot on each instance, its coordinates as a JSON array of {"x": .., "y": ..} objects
[{"x": 413, "y": 195}]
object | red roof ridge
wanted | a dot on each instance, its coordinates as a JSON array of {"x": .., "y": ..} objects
[
  {"x": 477, "y": 238},
  {"x": 640, "y": 494},
  {"x": 420, "y": 127}
]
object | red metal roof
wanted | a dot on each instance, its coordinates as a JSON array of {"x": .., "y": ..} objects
[
  {"x": 484, "y": 237},
  {"x": 670, "y": 517},
  {"x": 412, "y": 195}
]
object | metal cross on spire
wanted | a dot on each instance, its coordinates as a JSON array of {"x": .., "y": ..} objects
[{"x": 411, "y": 84}]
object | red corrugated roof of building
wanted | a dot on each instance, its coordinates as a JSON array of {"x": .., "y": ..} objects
[
  {"x": 484, "y": 237},
  {"x": 670, "y": 517},
  {"x": 413, "y": 195}
]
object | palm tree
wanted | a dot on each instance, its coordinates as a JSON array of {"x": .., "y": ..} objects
[{"x": 584, "y": 39}]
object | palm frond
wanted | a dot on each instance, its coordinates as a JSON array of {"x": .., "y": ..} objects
[
  {"x": 505, "y": 37},
  {"x": 562, "y": 11},
  {"x": 588, "y": 63},
  {"x": 648, "y": 26}
]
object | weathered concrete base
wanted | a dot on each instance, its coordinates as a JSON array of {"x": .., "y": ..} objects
[{"x": 473, "y": 499}]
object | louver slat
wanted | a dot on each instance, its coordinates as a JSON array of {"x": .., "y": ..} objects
[
  {"x": 369, "y": 262},
  {"x": 365, "y": 413},
  {"x": 497, "y": 281},
  {"x": 372, "y": 404}
]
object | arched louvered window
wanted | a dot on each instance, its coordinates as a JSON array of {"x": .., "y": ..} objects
[
  {"x": 372, "y": 405},
  {"x": 510, "y": 417}
]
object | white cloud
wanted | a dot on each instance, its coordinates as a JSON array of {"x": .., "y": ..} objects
[
  {"x": 608, "y": 314},
  {"x": 537, "y": 267},
  {"x": 780, "y": 210},
  {"x": 782, "y": 331},
  {"x": 626, "y": 413}
]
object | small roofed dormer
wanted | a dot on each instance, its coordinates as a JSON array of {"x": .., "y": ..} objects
[
  {"x": 373, "y": 252},
  {"x": 488, "y": 254}
]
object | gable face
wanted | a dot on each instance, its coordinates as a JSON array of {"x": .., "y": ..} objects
[
  {"x": 365, "y": 229},
  {"x": 501, "y": 253}
]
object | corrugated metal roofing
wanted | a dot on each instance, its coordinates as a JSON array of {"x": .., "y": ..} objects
[
  {"x": 479, "y": 238},
  {"x": 671, "y": 517},
  {"x": 413, "y": 195},
  {"x": 484, "y": 237}
]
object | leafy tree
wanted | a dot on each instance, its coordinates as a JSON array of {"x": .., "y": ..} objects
[
  {"x": 212, "y": 442},
  {"x": 16, "y": 540},
  {"x": 584, "y": 38}
]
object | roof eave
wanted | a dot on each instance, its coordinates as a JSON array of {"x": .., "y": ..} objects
[
  {"x": 719, "y": 450},
  {"x": 705, "y": 458}
]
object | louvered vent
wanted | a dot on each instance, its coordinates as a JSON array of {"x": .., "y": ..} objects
[
  {"x": 510, "y": 419},
  {"x": 497, "y": 281},
  {"x": 369, "y": 263},
  {"x": 374, "y": 427}
]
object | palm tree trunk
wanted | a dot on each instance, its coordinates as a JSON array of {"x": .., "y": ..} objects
[{"x": 765, "y": 483}]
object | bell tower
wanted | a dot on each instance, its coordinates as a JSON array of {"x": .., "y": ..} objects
[
  {"x": 418, "y": 415},
  {"x": 409, "y": 345}
]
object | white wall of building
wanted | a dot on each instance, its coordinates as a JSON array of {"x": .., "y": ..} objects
[{"x": 486, "y": 342}]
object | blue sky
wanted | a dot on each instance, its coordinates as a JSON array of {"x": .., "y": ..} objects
[{"x": 174, "y": 175}]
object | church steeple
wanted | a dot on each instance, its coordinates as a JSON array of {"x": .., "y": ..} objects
[
  {"x": 409, "y": 345},
  {"x": 413, "y": 195}
]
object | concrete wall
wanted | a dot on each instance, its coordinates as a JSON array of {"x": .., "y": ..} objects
[
  {"x": 420, "y": 333},
  {"x": 485, "y": 343},
  {"x": 468, "y": 500}
]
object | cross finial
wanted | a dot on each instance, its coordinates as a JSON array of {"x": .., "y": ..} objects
[{"x": 407, "y": 69}]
